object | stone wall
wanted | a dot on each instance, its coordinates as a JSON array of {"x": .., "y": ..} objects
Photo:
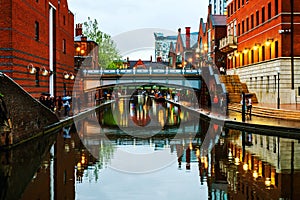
[
  {"x": 262, "y": 79},
  {"x": 28, "y": 116}
]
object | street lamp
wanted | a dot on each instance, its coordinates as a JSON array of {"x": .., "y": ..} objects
[{"x": 278, "y": 94}]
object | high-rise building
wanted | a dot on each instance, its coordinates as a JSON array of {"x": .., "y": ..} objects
[
  {"x": 162, "y": 46},
  {"x": 218, "y": 7}
]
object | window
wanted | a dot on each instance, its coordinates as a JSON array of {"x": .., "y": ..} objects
[
  {"x": 243, "y": 25},
  {"x": 243, "y": 59},
  {"x": 64, "y": 46},
  {"x": 247, "y": 24},
  {"x": 270, "y": 52},
  {"x": 257, "y": 18},
  {"x": 276, "y": 49},
  {"x": 252, "y": 56},
  {"x": 234, "y": 6},
  {"x": 242, "y": 2},
  {"x": 256, "y": 82},
  {"x": 37, "y": 31},
  {"x": 239, "y": 29},
  {"x": 64, "y": 19},
  {"x": 252, "y": 21},
  {"x": 276, "y": 7},
  {"x": 228, "y": 13},
  {"x": 239, "y": 3},
  {"x": 263, "y": 56},
  {"x": 269, "y": 11},
  {"x": 263, "y": 15}
]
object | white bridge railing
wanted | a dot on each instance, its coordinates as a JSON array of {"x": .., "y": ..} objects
[{"x": 141, "y": 71}]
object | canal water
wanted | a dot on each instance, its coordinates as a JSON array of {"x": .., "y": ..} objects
[{"x": 142, "y": 149}]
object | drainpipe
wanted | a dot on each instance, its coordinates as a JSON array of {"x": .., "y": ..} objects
[{"x": 292, "y": 44}]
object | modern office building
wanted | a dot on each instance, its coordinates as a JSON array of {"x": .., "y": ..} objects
[
  {"x": 218, "y": 7},
  {"x": 162, "y": 46}
]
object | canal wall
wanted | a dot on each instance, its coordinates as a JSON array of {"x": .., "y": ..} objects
[{"x": 26, "y": 115}]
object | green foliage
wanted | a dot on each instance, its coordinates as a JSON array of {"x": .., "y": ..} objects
[
  {"x": 107, "y": 48},
  {"x": 112, "y": 65}
]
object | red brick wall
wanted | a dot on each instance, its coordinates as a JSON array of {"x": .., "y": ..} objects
[
  {"x": 268, "y": 29},
  {"x": 17, "y": 28}
]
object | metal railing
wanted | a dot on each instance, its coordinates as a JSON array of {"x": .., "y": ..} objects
[
  {"x": 228, "y": 41},
  {"x": 141, "y": 71}
]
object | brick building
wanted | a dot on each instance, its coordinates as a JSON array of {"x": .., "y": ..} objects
[
  {"x": 37, "y": 45},
  {"x": 210, "y": 33},
  {"x": 181, "y": 53},
  {"x": 261, "y": 44}
]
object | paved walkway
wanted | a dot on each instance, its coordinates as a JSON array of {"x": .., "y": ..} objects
[{"x": 256, "y": 120}]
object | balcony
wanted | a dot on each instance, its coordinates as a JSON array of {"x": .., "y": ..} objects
[{"x": 228, "y": 44}]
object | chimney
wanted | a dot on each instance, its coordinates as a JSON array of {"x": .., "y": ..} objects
[
  {"x": 78, "y": 29},
  {"x": 188, "y": 37}
]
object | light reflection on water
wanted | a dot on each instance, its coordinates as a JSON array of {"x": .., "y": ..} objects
[
  {"x": 237, "y": 164},
  {"x": 169, "y": 182}
]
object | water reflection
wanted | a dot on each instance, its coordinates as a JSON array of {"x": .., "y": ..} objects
[
  {"x": 21, "y": 166},
  {"x": 231, "y": 165}
]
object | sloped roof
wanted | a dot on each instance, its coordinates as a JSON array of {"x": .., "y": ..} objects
[
  {"x": 204, "y": 27},
  {"x": 78, "y": 39},
  {"x": 172, "y": 47},
  {"x": 193, "y": 39},
  {"x": 218, "y": 20}
]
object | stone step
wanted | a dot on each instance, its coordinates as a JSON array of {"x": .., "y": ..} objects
[{"x": 269, "y": 112}]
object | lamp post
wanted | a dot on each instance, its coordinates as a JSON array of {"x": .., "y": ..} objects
[{"x": 278, "y": 91}]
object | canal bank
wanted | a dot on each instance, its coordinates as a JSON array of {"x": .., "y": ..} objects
[
  {"x": 55, "y": 127},
  {"x": 257, "y": 124}
]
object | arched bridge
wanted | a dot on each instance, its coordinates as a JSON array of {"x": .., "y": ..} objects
[{"x": 187, "y": 78}]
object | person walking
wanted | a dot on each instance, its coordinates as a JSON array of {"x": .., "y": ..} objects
[
  {"x": 249, "y": 107},
  {"x": 67, "y": 108}
]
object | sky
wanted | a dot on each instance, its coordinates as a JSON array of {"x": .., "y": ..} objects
[{"x": 120, "y": 17}]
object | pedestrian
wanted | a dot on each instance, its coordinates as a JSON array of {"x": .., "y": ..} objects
[
  {"x": 216, "y": 100},
  {"x": 249, "y": 107},
  {"x": 67, "y": 108}
]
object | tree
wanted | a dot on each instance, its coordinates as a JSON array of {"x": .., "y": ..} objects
[{"x": 108, "y": 51}]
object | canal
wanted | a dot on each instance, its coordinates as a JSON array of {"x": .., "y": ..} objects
[{"x": 139, "y": 148}]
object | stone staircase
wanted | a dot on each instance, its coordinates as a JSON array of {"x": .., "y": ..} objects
[
  {"x": 234, "y": 88},
  {"x": 268, "y": 112}
]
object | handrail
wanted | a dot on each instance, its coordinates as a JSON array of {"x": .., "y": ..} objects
[{"x": 141, "y": 71}]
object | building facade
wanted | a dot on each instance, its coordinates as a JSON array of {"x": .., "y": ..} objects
[
  {"x": 182, "y": 52},
  {"x": 162, "y": 46},
  {"x": 262, "y": 39},
  {"x": 37, "y": 45},
  {"x": 218, "y": 7}
]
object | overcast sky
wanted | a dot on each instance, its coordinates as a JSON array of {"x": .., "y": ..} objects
[{"x": 118, "y": 17}]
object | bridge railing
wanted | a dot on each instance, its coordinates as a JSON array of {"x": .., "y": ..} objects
[{"x": 142, "y": 71}]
